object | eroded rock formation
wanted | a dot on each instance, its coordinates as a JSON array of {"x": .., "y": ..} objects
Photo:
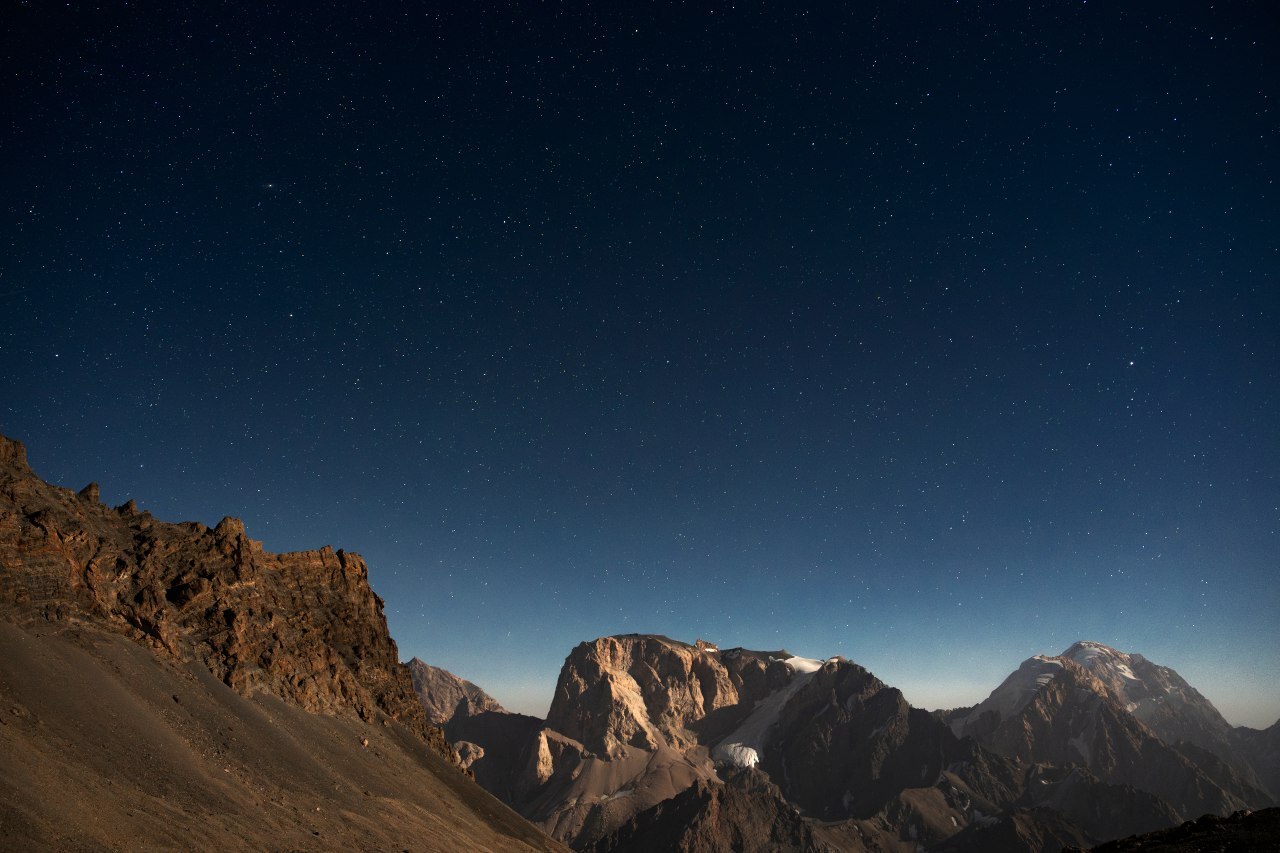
[
  {"x": 303, "y": 626},
  {"x": 444, "y": 695}
]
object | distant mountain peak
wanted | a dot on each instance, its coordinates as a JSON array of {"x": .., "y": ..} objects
[
  {"x": 444, "y": 694},
  {"x": 1085, "y": 648},
  {"x": 1114, "y": 712},
  {"x": 1157, "y": 695},
  {"x": 1088, "y": 653}
]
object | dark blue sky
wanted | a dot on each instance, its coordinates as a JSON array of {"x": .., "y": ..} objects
[{"x": 932, "y": 336}]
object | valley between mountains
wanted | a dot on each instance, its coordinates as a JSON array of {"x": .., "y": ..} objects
[{"x": 176, "y": 686}]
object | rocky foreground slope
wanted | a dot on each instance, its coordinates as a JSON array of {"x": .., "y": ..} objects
[
  {"x": 1241, "y": 832},
  {"x": 177, "y": 686}
]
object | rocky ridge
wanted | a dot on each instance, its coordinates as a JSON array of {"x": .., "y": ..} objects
[
  {"x": 206, "y": 653},
  {"x": 1080, "y": 708},
  {"x": 1240, "y": 832},
  {"x": 444, "y": 695},
  {"x": 746, "y": 814},
  {"x": 652, "y": 741},
  {"x": 304, "y": 626}
]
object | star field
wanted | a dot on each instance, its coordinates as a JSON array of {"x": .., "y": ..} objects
[{"x": 933, "y": 339}]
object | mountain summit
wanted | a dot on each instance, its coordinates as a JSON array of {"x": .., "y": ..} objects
[
  {"x": 1156, "y": 695},
  {"x": 1126, "y": 719}
]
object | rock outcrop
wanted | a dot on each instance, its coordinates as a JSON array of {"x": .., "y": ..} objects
[
  {"x": 506, "y": 741},
  {"x": 747, "y": 814},
  {"x": 1020, "y": 830},
  {"x": 205, "y": 693},
  {"x": 305, "y": 626},
  {"x": 444, "y": 695},
  {"x": 647, "y": 691}
]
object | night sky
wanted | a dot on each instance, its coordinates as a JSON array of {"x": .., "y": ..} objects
[{"x": 932, "y": 335}]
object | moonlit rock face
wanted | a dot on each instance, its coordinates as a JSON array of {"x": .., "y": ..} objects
[
  {"x": 1101, "y": 660},
  {"x": 1017, "y": 691},
  {"x": 1116, "y": 669},
  {"x": 1156, "y": 695}
]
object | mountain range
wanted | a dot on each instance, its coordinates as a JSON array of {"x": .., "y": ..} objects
[
  {"x": 178, "y": 686},
  {"x": 652, "y": 743}
]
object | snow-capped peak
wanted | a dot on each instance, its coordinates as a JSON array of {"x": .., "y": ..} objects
[
  {"x": 1157, "y": 695},
  {"x": 1016, "y": 691},
  {"x": 1154, "y": 694},
  {"x": 1111, "y": 666}
]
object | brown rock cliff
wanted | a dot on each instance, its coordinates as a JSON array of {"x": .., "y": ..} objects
[
  {"x": 648, "y": 691},
  {"x": 304, "y": 626}
]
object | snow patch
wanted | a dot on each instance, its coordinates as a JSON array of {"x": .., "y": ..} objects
[
  {"x": 737, "y": 754},
  {"x": 1081, "y": 746},
  {"x": 1099, "y": 659},
  {"x": 805, "y": 665},
  {"x": 742, "y": 748},
  {"x": 1125, "y": 672}
]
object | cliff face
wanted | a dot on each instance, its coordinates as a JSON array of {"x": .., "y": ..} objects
[
  {"x": 305, "y": 626},
  {"x": 647, "y": 691},
  {"x": 653, "y": 743}
]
